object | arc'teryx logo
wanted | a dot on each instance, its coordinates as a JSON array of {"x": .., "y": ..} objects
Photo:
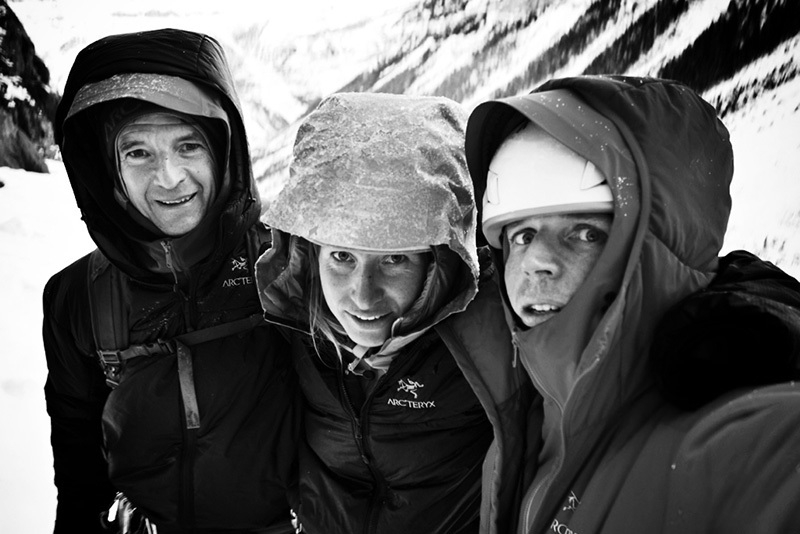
[
  {"x": 572, "y": 502},
  {"x": 238, "y": 264},
  {"x": 408, "y": 385},
  {"x": 558, "y": 526}
]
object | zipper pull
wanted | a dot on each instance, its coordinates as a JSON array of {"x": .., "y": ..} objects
[
  {"x": 516, "y": 351},
  {"x": 167, "y": 246}
]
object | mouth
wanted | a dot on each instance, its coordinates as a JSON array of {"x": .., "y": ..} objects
[
  {"x": 368, "y": 319},
  {"x": 536, "y": 314},
  {"x": 541, "y": 309},
  {"x": 178, "y": 201}
]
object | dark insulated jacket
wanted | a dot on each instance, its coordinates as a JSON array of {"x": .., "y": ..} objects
[
  {"x": 665, "y": 401},
  {"x": 404, "y": 452},
  {"x": 231, "y": 474}
]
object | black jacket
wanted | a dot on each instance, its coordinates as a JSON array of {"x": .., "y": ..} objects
[
  {"x": 400, "y": 454},
  {"x": 233, "y": 473},
  {"x": 404, "y": 452}
]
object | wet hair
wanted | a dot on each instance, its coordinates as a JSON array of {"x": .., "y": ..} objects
[{"x": 321, "y": 322}]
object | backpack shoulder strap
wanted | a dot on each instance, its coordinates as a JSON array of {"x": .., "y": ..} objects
[
  {"x": 110, "y": 327},
  {"x": 106, "y": 307}
]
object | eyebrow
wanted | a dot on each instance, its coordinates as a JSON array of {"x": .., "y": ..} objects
[
  {"x": 123, "y": 145},
  {"x": 194, "y": 137},
  {"x": 125, "y": 142},
  {"x": 591, "y": 218}
]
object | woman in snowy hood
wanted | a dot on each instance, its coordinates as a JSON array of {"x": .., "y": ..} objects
[{"x": 374, "y": 264}]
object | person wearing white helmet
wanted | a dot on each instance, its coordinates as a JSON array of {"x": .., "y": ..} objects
[
  {"x": 664, "y": 399},
  {"x": 552, "y": 210}
]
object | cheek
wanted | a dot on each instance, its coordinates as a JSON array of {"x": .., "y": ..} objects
[
  {"x": 204, "y": 174},
  {"x": 588, "y": 260},
  {"x": 580, "y": 265},
  {"x": 406, "y": 290},
  {"x": 333, "y": 286},
  {"x": 135, "y": 182},
  {"x": 513, "y": 270}
]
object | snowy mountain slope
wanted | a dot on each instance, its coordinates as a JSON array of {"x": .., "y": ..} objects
[
  {"x": 474, "y": 50},
  {"x": 482, "y": 49},
  {"x": 283, "y": 55},
  {"x": 40, "y": 233},
  {"x": 765, "y": 134}
]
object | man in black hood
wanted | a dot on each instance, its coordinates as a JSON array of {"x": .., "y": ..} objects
[{"x": 194, "y": 424}]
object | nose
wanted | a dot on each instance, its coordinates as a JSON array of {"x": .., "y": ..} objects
[
  {"x": 541, "y": 257},
  {"x": 365, "y": 288},
  {"x": 168, "y": 174}
]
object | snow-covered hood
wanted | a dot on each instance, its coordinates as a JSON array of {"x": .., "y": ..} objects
[
  {"x": 670, "y": 178},
  {"x": 79, "y": 132},
  {"x": 376, "y": 172}
]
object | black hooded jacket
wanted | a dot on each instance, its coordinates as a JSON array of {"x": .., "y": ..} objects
[{"x": 231, "y": 474}]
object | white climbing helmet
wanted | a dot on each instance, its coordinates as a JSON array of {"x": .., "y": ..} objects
[{"x": 534, "y": 174}]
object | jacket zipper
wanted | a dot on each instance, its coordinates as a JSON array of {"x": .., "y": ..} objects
[
  {"x": 167, "y": 246},
  {"x": 186, "y": 505},
  {"x": 360, "y": 430},
  {"x": 546, "y": 481}
]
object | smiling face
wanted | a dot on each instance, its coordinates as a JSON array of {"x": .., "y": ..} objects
[
  {"x": 167, "y": 170},
  {"x": 549, "y": 256},
  {"x": 368, "y": 292}
]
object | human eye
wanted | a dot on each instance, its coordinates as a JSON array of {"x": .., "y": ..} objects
[
  {"x": 522, "y": 236},
  {"x": 590, "y": 234},
  {"x": 340, "y": 256},
  {"x": 191, "y": 147},
  {"x": 134, "y": 155},
  {"x": 395, "y": 259}
]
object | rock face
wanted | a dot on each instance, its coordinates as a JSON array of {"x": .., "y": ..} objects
[{"x": 27, "y": 104}]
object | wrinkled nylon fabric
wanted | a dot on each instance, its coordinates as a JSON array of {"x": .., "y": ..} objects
[{"x": 375, "y": 173}]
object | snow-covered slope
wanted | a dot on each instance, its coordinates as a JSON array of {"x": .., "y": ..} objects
[
  {"x": 283, "y": 55},
  {"x": 40, "y": 233},
  {"x": 474, "y": 50}
]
